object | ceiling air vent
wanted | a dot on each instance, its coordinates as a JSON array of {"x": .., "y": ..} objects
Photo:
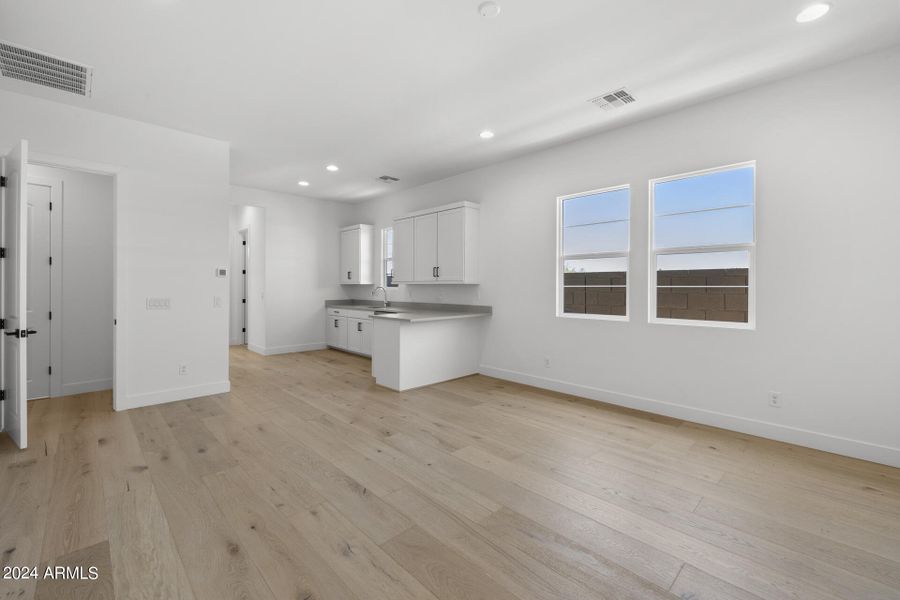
[
  {"x": 388, "y": 179},
  {"x": 27, "y": 65},
  {"x": 613, "y": 100}
]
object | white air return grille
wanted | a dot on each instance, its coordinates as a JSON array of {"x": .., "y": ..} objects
[
  {"x": 27, "y": 65},
  {"x": 612, "y": 100}
]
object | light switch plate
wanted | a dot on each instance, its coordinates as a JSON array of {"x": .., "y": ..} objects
[{"x": 159, "y": 303}]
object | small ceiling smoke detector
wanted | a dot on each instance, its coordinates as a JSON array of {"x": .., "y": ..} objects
[
  {"x": 388, "y": 179},
  {"x": 332, "y": 168},
  {"x": 486, "y": 134},
  {"x": 35, "y": 67},
  {"x": 813, "y": 12},
  {"x": 489, "y": 10},
  {"x": 612, "y": 100},
  {"x": 303, "y": 183}
]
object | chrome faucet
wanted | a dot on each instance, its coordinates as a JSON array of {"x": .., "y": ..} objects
[{"x": 375, "y": 291}]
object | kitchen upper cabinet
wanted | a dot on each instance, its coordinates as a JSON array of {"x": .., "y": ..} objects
[
  {"x": 451, "y": 245},
  {"x": 356, "y": 255},
  {"x": 438, "y": 245},
  {"x": 425, "y": 259}
]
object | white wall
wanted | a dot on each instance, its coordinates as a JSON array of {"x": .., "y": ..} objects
[
  {"x": 171, "y": 224},
  {"x": 252, "y": 219},
  {"x": 84, "y": 318},
  {"x": 301, "y": 266},
  {"x": 827, "y": 145}
]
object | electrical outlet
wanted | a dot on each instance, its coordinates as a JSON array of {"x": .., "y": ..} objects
[
  {"x": 775, "y": 399},
  {"x": 182, "y": 369},
  {"x": 547, "y": 362}
]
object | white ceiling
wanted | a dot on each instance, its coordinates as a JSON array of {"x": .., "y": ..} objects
[{"x": 403, "y": 87}]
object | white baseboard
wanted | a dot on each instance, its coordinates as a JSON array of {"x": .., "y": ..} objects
[
  {"x": 174, "y": 394},
  {"x": 83, "y": 387},
  {"x": 802, "y": 437},
  {"x": 269, "y": 351}
]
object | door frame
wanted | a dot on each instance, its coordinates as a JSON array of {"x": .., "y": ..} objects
[{"x": 120, "y": 263}]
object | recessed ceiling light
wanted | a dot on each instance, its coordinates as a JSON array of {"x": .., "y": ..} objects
[
  {"x": 813, "y": 12},
  {"x": 303, "y": 183},
  {"x": 332, "y": 168},
  {"x": 489, "y": 10},
  {"x": 486, "y": 134}
]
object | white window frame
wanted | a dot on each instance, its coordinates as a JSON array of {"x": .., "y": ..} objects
[
  {"x": 384, "y": 257},
  {"x": 561, "y": 259},
  {"x": 654, "y": 253}
]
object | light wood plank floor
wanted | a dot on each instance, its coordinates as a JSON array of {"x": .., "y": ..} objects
[{"x": 308, "y": 482}]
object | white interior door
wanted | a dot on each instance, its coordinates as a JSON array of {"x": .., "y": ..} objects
[
  {"x": 426, "y": 247},
  {"x": 40, "y": 194},
  {"x": 15, "y": 340}
]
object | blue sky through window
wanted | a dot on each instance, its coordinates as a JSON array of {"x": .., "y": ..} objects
[{"x": 702, "y": 210}]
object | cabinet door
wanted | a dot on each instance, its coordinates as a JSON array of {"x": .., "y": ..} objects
[
  {"x": 404, "y": 250},
  {"x": 336, "y": 332},
  {"x": 349, "y": 256},
  {"x": 451, "y": 245},
  {"x": 426, "y": 247},
  {"x": 365, "y": 337},
  {"x": 354, "y": 329}
]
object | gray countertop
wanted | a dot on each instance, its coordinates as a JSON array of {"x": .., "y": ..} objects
[
  {"x": 416, "y": 312},
  {"x": 419, "y": 316}
]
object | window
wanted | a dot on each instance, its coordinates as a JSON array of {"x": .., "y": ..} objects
[
  {"x": 387, "y": 256},
  {"x": 593, "y": 254},
  {"x": 703, "y": 247}
]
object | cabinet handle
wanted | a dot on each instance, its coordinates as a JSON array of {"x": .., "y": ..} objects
[
  {"x": 335, "y": 322},
  {"x": 359, "y": 326},
  {"x": 438, "y": 271},
  {"x": 348, "y": 274},
  {"x": 434, "y": 271}
]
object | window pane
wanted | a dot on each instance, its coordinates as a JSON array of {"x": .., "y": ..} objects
[
  {"x": 703, "y": 287},
  {"x": 700, "y": 192},
  {"x": 595, "y": 286},
  {"x": 589, "y": 239},
  {"x": 737, "y": 259},
  {"x": 389, "y": 273},
  {"x": 725, "y": 226},
  {"x": 596, "y": 208}
]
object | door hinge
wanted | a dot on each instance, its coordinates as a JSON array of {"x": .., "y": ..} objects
[
  {"x": 2, "y": 324},
  {"x": 243, "y": 243},
  {"x": 51, "y": 206},
  {"x": 50, "y": 370},
  {"x": 51, "y": 260},
  {"x": 244, "y": 272},
  {"x": 50, "y": 316},
  {"x": 2, "y": 395},
  {"x": 2, "y": 252},
  {"x": 243, "y": 330},
  {"x": 2, "y": 181},
  {"x": 243, "y": 301}
]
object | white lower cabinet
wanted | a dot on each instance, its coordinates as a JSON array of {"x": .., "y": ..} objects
[
  {"x": 336, "y": 332},
  {"x": 349, "y": 330},
  {"x": 359, "y": 334}
]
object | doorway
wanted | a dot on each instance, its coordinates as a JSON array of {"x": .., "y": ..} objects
[{"x": 69, "y": 297}]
